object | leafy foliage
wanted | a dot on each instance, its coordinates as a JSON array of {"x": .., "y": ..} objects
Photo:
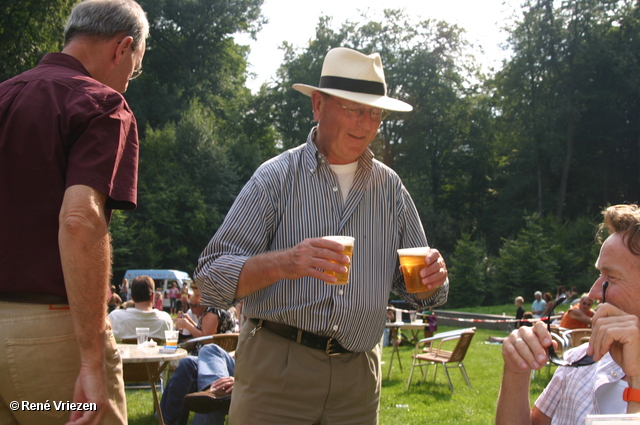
[
  {"x": 468, "y": 269},
  {"x": 191, "y": 55},
  {"x": 28, "y": 30},
  {"x": 544, "y": 255},
  {"x": 187, "y": 183}
]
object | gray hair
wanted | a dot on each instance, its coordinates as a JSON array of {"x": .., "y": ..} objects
[
  {"x": 537, "y": 293},
  {"x": 106, "y": 19}
]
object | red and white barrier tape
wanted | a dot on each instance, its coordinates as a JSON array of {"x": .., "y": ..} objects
[{"x": 460, "y": 319}]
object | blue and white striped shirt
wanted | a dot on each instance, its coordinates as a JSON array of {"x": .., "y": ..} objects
[{"x": 296, "y": 196}]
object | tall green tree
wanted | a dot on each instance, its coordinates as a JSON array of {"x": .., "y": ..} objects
[
  {"x": 28, "y": 30},
  {"x": 526, "y": 264},
  {"x": 191, "y": 55},
  {"x": 566, "y": 59},
  {"x": 468, "y": 267},
  {"x": 187, "y": 183}
]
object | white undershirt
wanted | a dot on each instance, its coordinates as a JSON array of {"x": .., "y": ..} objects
[
  {"x": 609, "y": 398},
  {"x": 345, "y": 173}
]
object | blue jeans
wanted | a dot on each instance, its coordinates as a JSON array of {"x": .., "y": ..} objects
[{"x": 195, "y": 374}]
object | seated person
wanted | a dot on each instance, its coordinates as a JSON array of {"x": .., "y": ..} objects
[
  {"x": 194, "y": 313},
  {"x": 549, "y": 304},
  {"x": 611, "y": 385},
  {"x": 202, "y": 384},
  {"x": 212, "y": 320},
  {"x": 579, "y": 316},
  {"x": 538, "y": 305},
  {"x": 142, "y": 314}
]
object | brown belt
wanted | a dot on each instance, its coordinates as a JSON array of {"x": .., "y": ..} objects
[
  {"x": 23, "y": 297},
  {"x": 327, "y": 344}
]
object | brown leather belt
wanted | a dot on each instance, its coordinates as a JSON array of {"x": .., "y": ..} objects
[
  {"x": 327, "y": 344},
  {"x": 23, "y": 297}
]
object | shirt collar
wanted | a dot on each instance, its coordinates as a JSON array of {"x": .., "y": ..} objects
[{"x": 63, "y": 59}]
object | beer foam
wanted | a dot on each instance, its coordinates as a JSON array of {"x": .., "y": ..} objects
[
  {"x": 344, "y": 240},
  {"x": 421, "y": 251}
]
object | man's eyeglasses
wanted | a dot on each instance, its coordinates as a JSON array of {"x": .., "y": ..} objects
[
  {"x": 356, "y": 111},
  {"x": 135, "y": 74},
  {"x": 553, "y": 357}
]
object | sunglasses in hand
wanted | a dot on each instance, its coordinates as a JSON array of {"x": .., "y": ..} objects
[{"x": 553, "y": 357}]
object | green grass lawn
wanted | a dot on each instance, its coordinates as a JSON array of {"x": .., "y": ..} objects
[
  {"x": 429, "y": 402},
  {"x": 433, "y": 402}
]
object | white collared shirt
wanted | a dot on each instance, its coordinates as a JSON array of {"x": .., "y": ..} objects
[{"x": 575, "y": 392}]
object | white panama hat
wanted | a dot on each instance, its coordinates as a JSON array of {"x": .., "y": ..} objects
[{"x": 354, "y": 76}]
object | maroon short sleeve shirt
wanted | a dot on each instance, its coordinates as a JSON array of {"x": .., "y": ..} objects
[{"x": 58, "y": 128}]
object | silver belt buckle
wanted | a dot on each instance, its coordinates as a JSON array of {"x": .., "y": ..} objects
[{"x": 328, "y": 350}]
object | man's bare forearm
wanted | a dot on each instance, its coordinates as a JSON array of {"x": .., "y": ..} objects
[
  {"x": 259, "y": 272},
  {"x": 86, "y": 262},
  {"x": 308, "y": 258},
  {"x": 513, "y": 402}
]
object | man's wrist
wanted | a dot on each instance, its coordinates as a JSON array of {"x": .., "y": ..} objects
[{"x": 634, "y": 382}]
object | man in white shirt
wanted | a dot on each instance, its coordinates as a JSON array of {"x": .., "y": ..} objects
[
  {"x": 142, "y": 314},
  {"x": 611, "y": 384},
  {"x": 538, "y": 305}
]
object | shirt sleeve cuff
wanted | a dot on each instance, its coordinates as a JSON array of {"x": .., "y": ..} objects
[{"x": 218, "y": 284}]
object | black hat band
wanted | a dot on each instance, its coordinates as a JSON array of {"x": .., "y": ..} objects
[{"x": 352, "y": 85}]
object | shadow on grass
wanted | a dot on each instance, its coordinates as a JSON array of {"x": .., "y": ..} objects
[{"x": 437, "y": 391}]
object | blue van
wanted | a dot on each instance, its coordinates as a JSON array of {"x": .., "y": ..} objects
[{"x": 163, "y": 280}]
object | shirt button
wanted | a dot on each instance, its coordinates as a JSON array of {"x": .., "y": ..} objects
[
  {"x": 614, "y": 374},
  {"x": 335, "y": 327},
  {"x": 335, "y": 189},
  {"x": 341, "y": 292}
]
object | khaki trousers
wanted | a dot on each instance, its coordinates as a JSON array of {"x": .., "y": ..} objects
[
  {"x": 39, "y": 365},
  {"x": 280, "y": 382}
]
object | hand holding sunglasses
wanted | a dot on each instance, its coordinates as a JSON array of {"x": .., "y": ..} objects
[{"x": 553, "y": 357}]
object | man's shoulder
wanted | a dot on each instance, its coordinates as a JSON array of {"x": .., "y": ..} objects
[
  {"x": 279, "y": 164},
  {"x": 62, "y": 72},
  {"x": 162, "y": 315},
  {"x": 381, "y": 169},
  {"x": 119, "y": 313},
  {"x": 272, "y": 174}
]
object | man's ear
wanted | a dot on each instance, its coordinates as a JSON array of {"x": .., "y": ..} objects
[
  {"x": 317, "y": 99},
  {"x": 121, "y": 48}
]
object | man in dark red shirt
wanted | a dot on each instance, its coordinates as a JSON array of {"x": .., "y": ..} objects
[{"x": 68, "y": 156}]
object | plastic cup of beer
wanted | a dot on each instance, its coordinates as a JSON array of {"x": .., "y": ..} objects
[
  {"x": 412, "y": 261},
  {"x": 142, "y": 335},
  {"x": 171, "y": 339},
  {"x": 347, "y": 242}
]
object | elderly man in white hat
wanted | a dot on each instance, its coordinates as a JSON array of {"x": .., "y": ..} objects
[{"x": 309, "y": 352}]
